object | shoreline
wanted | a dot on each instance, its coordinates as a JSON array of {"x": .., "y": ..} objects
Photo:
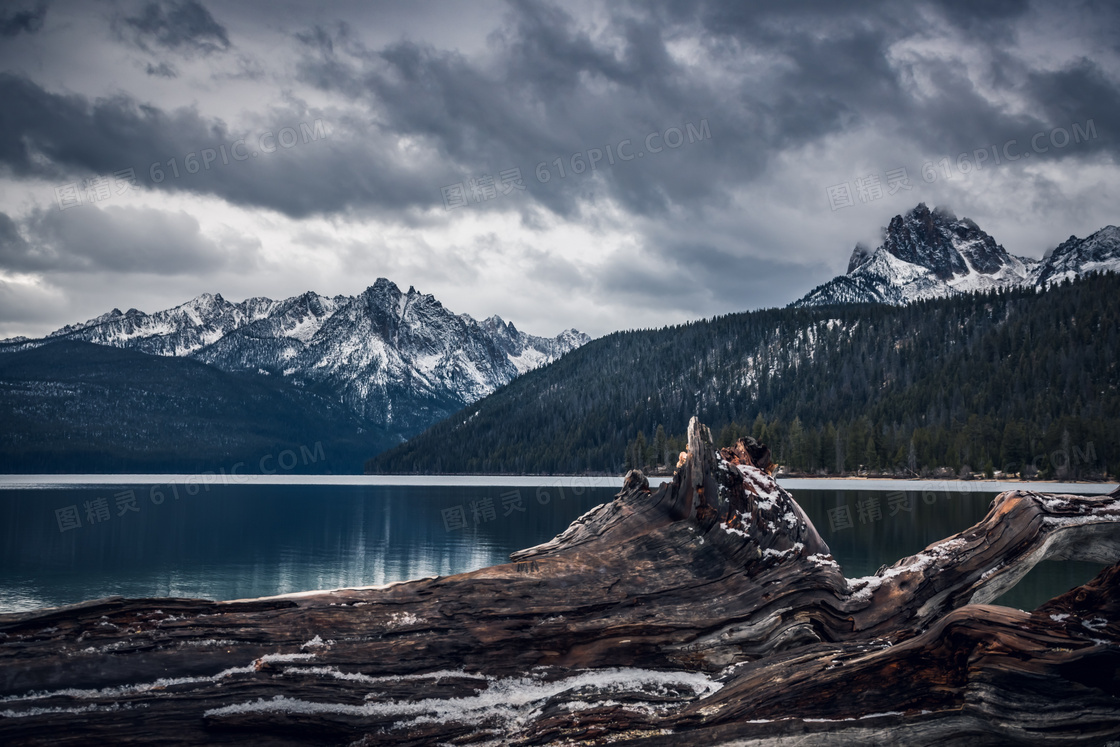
[{"x": 579, "y": 482}]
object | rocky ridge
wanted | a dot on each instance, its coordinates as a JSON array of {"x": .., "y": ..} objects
[{"x": 932, "y": 253}]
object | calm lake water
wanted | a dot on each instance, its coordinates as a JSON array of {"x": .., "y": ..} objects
[{"x": 66, "y": 543}]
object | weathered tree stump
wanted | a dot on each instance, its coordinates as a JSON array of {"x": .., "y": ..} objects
[{"x": 706, "y": 612}]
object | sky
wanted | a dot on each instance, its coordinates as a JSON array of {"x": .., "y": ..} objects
[{"x": 598, "y": 166}]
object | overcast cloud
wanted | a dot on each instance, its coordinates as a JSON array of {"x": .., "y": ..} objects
[{"x": 281, "y": 147}]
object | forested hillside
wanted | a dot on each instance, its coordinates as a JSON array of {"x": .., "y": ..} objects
[
  {"x": 77, "y": 407},
  {"x": 1016, "y": 380}
]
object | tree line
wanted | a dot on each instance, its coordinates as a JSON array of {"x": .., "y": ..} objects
[{"x": 1020, "y": 381}]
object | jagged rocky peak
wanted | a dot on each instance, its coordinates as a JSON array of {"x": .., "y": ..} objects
[
  {"x": 1099, "y": 252},
  {"x": 500, "y": 327},
  {"x": 924, "y": 254},
  {"x": 206, "y": 307},
  {"x": 948, "y": 246},
  {"x": 860, "y": 254},
  {"x": 391, "y": 301},
  {"x": 205, "y": 301},
  {"x": 383, "y": 288},
  {"x": 924, "y": 237}
]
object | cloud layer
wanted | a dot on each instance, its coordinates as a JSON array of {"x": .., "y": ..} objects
[{"x": 675, "y": 159}]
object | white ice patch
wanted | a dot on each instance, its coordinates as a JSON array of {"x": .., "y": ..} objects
[
  {"x": 49, "y": 711},
  {"x": 867, "y": 586},
  {"x": 771, "y": 552},
  {"x": 824, "y": 560},
  {"x": 734, "y": 530},
  {"x": 282, "y": 658},
  {"x": 1109, "y": 512},
  {"x": 121, "y": 690},
  {"x": 512, "y": 701},
  {"x": 986, "y": 574},
  {"x": 768, "y": 491},
  {"x": 401, "y": 619},
  {"x": 336, "y": 673},
  {"x": 859, "y": 718},
  {"x": 1054, "y": 504},
  {"x": 162, "y": 683}
]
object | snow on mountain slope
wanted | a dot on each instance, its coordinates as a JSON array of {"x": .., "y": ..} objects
[
  {"x": 402, "y": 358},
  {"x": 1099, "y": 252},
  {"x": 176, "y": 331},
  {"x": 931, "y": 253},
  {"x": 398, "y": 359},
  {"x": 270, "y": 343}
]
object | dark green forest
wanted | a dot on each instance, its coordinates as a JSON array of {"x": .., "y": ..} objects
[
  {"x": 1019, "y": 381},
  {"x": 78, "y": 407}
]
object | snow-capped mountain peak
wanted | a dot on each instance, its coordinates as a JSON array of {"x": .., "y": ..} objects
[
  {"x": 399, "y": 359},
  {"x": 932, "y": 253},
  {"x": 1099, "y": 252}
]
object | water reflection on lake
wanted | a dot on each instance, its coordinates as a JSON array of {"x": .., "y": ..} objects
[
  {"x": 68, "y": 544},
  {"x": 882, "y": 530}
]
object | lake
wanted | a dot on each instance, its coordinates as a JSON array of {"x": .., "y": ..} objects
[{"x": 71, "y": 538}]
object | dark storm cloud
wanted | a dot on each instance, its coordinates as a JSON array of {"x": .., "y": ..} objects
[
  {"x": 119, "y": 240},
  {"x": 1080, "y": 93},
  {"x": 838, "y": 73},
  {"x": 53, "y": 135},
  {"x": 332, "y": 166},
  {"x": 26, "y": 21},
  {"x": 551, "y": 89},
  {"x": 179, "y": 25},
  {"x": 548, "y": 87},
  {"x": 530, "y": 105}
]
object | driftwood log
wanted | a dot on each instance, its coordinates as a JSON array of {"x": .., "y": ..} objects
[{"x": 706, "y": 612}]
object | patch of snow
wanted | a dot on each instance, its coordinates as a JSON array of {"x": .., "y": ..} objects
[
  {"x": 823, "y": 560},
  {"x": 400, "y": 619},
  {"x": 857, "y": 718},
  {"x": 867, "y": 584},
  {"x": 281, "y": 658},
  {"x": 78, "y": 709},
  {"x": 735, "y": 530},
  {"x": 512, "y": 701},
  {"x": 986, "y": 574}
]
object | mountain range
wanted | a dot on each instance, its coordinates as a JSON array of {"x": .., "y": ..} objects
[
  {"x": 932, "y": 254},
  {"x": 399, "y": 360},
  {"x": 365, "y": 373}
]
